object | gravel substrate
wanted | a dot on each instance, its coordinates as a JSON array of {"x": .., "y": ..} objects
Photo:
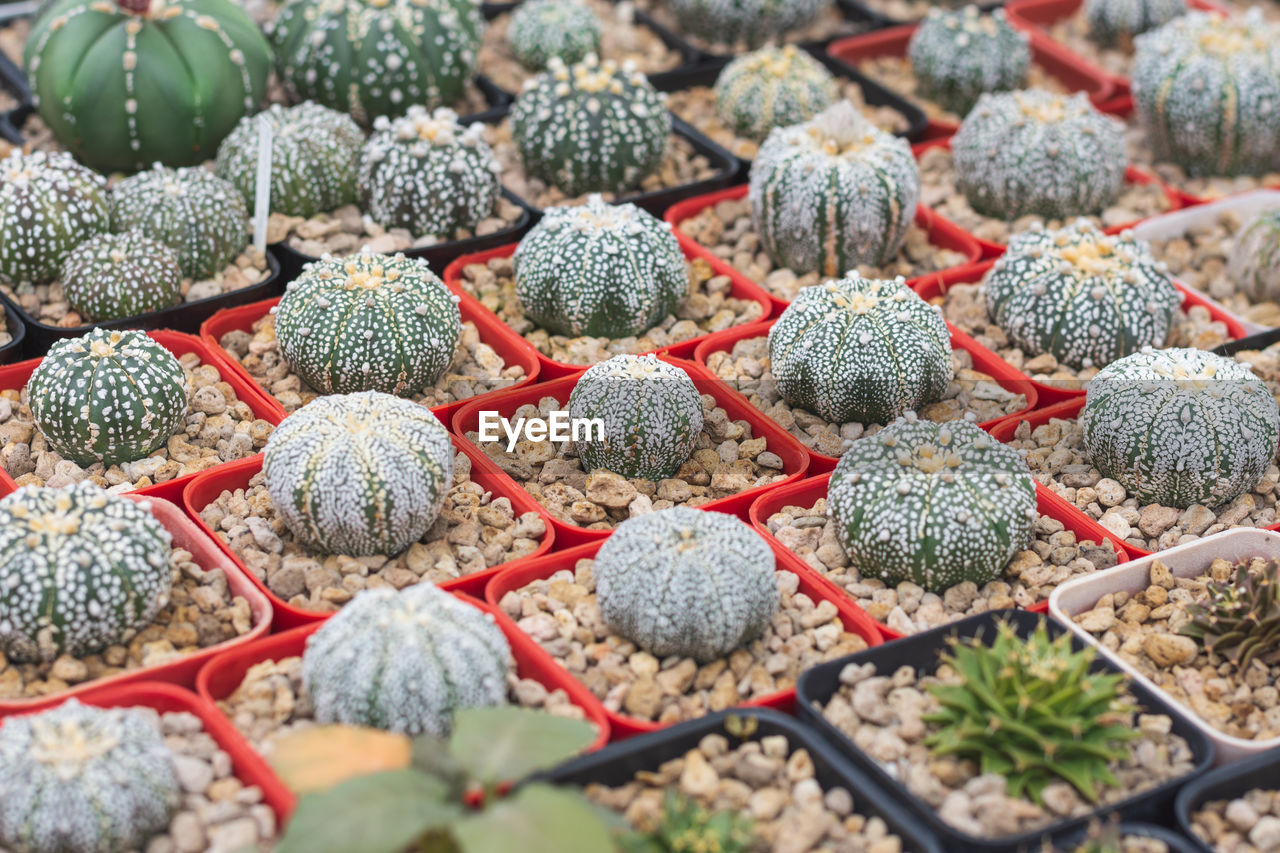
[
  {"x": 218, "y": 427},
  {"x": 708, "y": 308},
  {"x": 1055, "y": 451},
  {"x": 1266, "y": 366},
  {"x": 201, "y": 612},
  {"x": 1073, "y": 32},
  {"x": 1205, "y": 189},
  {"x": 830, "y": 23},
  {"x": 562, "y": 615},
  {"x": 13, "y": 37},
  {"x": 882, "y": 715},
  {"x": 727, "y": 231},
  {"x": 476, "y": 368},
  {"x": 746, "y": 368},
  {"x": 1247, "y": 824},
  {"x": 6, "y": 336},
  {"x": 473, "y": 532},
  {"x": 771, "y": 784}
]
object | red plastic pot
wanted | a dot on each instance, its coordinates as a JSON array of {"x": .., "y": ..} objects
[
  {"x": 795, "y": 458},
  {"x": 1007, "y": 376},
  {"x": 740, "y": 288},
  {"x": 208, "y": 485},
  {"x": 15, "y": 376},
  {"x": 808, "y": 492},
  {"x": 623, "y": 725},
  {"x": 942, "y": 233},
  {"x": 181, "y": 671},
  {"x": 512, "y": 348}
]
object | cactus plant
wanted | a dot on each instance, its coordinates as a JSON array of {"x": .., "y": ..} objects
[
  {"x": 686, "y": 582},
  {"x": 109, "y": 397},
  {"x": 369, "y": 322},
  {"x": 192, "y": 211},
  {"x": 121, "y": 275},
  {"x": 591, "y": 127},
  {"x": 1239, "y": 619},
  {"x": 425, "y": 173},
  {"x": 1034, "y": 152},
  {"x": 651, "y": 412},
  {"x": 833, "y": 193},
  {"x": 359, "y": 474},
  {"x": 1085, "y": 298},
  {"x": 79, "y": 778},
  {"x": 858, "y": 349},
  {"x": 773, "y": 87},
  {"x": 314, "y": 152},
  {"x": 599, "y": 269},
  {"x": 1179, "y": 427},
  {"x": 541, "y": 29},
  {"x": 371, "y": 58},
  {"x": 751, "y": 22},
  {"x": 128, "y": 83},
  {"x": 49, "y": 204},
  {"x": 1254, "y": 265},
  {"x": 405, "y": 661},
  {"x": 687, "y": 825},
  {"x": 1117, "y": 22},
  {"x": 1206, "y": 90},
  {"x": 83, "y": 570},
  {"x": 957, "y": 55}
]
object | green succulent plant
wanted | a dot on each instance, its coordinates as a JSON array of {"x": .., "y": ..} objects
[
  {"x": 1240, "y": 620},
  {"x": 686, "y": 826}
]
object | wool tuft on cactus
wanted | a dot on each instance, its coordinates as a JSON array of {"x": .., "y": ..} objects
[
  {"x": 958, "y": 55},
  {"x": 1239, "y": 620}
]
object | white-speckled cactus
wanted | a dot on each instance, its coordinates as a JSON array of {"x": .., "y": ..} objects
[
  {"x": 686, "y": 582},
  {"x": 1180, "y": 426},
  {"x": 958, "y": 55},
  {"x": 773, "y": 87},
  {"x": 833, "y": 193},
  {"x": 78, "y": 778},
  {"x": 933, "y": 504},
  {"x": 121, "y": 275},
  {"x": 1254, "y": 266},
  {"x": 751, "y": 22},
  {"x": 858, "y": 349},
  {"x": 405, "y": 661},
  {"x": 1117, "y": 22},
  {"x": 49, "y": 204},
  {"x": 359, "y": 474},
  {"x": 1081, "y": 296},
  {"x": 541, "y": 29},
  {"x": 651, "y": 411}
]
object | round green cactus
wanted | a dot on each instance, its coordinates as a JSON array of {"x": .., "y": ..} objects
[
  {"x": 958, "y": 55},
  {"x": 314, "y": 151},
  {"x": 368, "y": 323},
  {"x": 599, "y": 269},
  {"x": 121, "y": 275},
  {"x": 405, "y": 661},
  {"x": 773, "y": 87},
  {"x": 1254, "y": 265},
  {"x": 359, "y": 474},
  {"x": 49, "y": 204},
  {"x": 426, "y": 173},
  {"x": 751, "y": 22},
  {"x": 541, "y": 29},
  {"x": 80, "y": 778},
  {"x": 686, "y": 582},
  {"x": 1081, "y": 296},
  {"x": 1179, "y": 427},
  {"x": 192, "y": 211},
  {"x": 833, "y": 193},
  {"x": 1117, "y": 22},
  {"x": 371, "y": 58},
  {"x": 1034, "y": 152},
  {"x": 592, "y": 127},
  {"x": 932, "y": 504},
  {"x": 129, "y": 83},
  {"x": 109, "y": 397},
  {"x": 651, "y": 413}
]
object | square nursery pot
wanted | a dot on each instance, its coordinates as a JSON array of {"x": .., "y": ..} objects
[
  {"x": 1004, "y": 374},
  {"x": 739, "y": 288},
  {"x": 623, "y": 725},
  {"x": 795, "y": 458},
  {"x": 808, "y": 492},
  {"x": 618, "y": 764},
  {"x": 17, "y": 332},
  {"x": 208, "y": 485},
  {"x": 222, "y": 675},
  {"x": 512, "y": 348},
  {"x": 16, "y": 376},
  {"x": 818, "y": 685},
  {"x": 1185, "y": 561},
  {"x": 180, "y": 671},
  {"x": 1225, "y": 783}
]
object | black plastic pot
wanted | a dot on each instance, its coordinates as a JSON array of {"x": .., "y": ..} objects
[
  {"x": 1175, "y": 842},
  {"x": 618, "y": 763},
  {"x": 13, "y": 81},
  {"x": 17, "y": 329},
  {"x": 816, "y": 686},
  {"x": 1226, "y": 783},
  {"x": 859, "y": 10},
  {"x": 1261, "y": 340}
]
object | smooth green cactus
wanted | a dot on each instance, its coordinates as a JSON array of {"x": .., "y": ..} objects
[
  {"x": 773, "y": 87},
  {"x": 957, "y": 55},
  {"x": 751, "y": 22},
  {"x": 1254, "y": 265},
  {"x": 49, "y": 204},
  {"x": 1117, "y": 22},
  {"x": 121, "y": 275},
  {"x": 542, "y": 29}
]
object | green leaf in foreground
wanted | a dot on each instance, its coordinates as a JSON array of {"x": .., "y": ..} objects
[
  {"x": 507, "y": 744},
  {"x": 536, "y": 819}
]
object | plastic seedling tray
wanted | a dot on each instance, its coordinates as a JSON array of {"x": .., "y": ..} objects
[
  {"x": 622, "y": 725},
  {"x": 16, "y": 329},
  {"x": 1225, "y": 783},
  {"x": 1185, "y": 561},
  {"x": 181, "y": 671},
  {"x": 816, "y": 687},
  {"x": 619, "y": 764},
  {"x": 795, "y": 458}
]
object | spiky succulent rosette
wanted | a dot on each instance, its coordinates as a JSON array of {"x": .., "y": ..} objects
[
  {"x": 121, "y": 275},
  {"x": 773, "y": 87},
  {"x": 49, "y": 204},
  {"x": 1239, "y": 619},
  {"x": 957, "y": 55},
  {"x": 751, "y": 22},
  {"x": 1254, "y": 265},
  {"x": 542, "y": 29},
  {"x": 1117, "y": 22}
]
